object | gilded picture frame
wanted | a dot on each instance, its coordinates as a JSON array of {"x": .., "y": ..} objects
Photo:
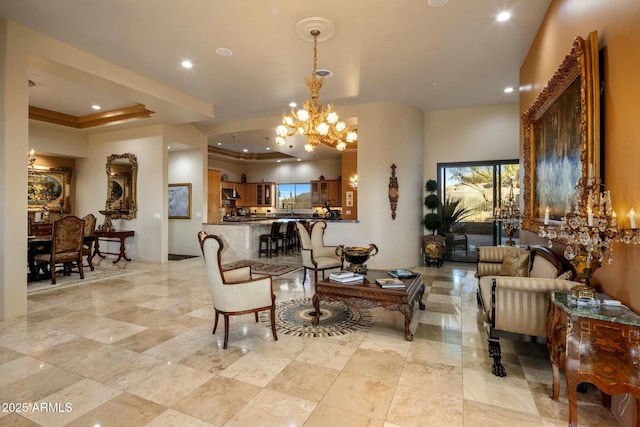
[
  {"x": 180, "y": 201},
  {"x": 562, "y": 135},
  {"x": 47, "y": 187}
]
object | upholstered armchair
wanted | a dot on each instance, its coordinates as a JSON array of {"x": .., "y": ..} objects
[
  {"x": 315, "y": 255},
  {"x": 513, "y": 288},
  {"x": 66, "y": 247},
  {"x": 234, "y": 292}
]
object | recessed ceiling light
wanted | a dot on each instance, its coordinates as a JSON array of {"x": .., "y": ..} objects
[
  {"x": 245, "y": 150},
  {"x": 186, "y": 64},
  {"x": 96, "y": 107},
  {"x": 508, "y": 89},
  {"x": 324, "y": 73},
  {"x": 278, "y": 161},
  {"x": 293, "y": 105},
  {"x": 223, "y": 51},
  {"x": 299, "y": 160},
  {"x": 437, "y": 3},
  {"x": 503, "y": 16},
  {"x": 219, "y": 143},
  {"x": 168, "y": 147},
  {"x": 268, "y": 148}
]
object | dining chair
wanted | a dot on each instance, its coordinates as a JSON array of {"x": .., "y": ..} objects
[
  {"x": 234, "y": 292},
  {"x": 290, "y": 237},
  {"x": 66, "y": 247},
  {"x": 89, "y": 238},
  {"x": 315, "y": 255}
]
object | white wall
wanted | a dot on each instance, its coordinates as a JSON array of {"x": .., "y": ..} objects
[
  {"x": 187, "y": 166},
  {"x": 488, "y": 132},
  {"x": 149, "y": 242},
  {"x": 387, "y": 133}
]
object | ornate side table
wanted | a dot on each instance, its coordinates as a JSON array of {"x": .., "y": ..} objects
[
  {"x": 112, "y": 236},
  {"x": 598, "y": 344}
]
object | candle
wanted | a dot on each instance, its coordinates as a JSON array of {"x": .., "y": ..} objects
[
  {"x": 632, "y": 218},
  {"x": 589, "y": 217},
  {"x": 546, "y": 216}
]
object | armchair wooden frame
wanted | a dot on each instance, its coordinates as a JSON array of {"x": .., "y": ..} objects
[{"x": 234, "y": 292}]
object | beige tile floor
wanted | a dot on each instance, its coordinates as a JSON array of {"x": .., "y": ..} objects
[{"x": 137, "y": 350}]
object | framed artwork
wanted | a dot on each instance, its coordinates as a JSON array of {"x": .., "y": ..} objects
[
  {"x": 562, "y": 136},
  {"x": 49, "y": 189},
  {"x": 180, "y": 201}
]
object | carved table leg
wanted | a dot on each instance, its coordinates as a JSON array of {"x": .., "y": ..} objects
[
  {"x": 572, "y": 388},
  {"x": 407, "y": 311},
  {"x": 316, "y": 308},
  {"x": 420, "y": 303},
  {"x": 555, "y": 390},
  {"x": 496, "y": 354}
]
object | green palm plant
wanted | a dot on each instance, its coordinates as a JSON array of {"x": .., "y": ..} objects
[{"x": 453, "y": 213}]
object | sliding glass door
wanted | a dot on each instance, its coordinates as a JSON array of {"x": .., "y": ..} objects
[{"x": 469, "y": 193}]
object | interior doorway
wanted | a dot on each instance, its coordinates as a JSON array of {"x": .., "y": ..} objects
[{"x": 470, "y": 193}]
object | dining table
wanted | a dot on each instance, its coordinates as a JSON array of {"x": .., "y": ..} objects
[{"x": 41, "y": 245}]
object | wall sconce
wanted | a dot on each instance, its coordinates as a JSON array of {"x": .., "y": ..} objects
[
  {"x": 31, "y": 158},
  {"x": 353, "y": 181}
]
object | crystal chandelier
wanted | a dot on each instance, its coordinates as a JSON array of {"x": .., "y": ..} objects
[
  {"x": 318, "y": 125},
  {"x": 509, "y": 214},
  {"x": 588, "y": 230}
]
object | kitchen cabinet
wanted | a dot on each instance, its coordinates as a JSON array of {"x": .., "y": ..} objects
[
  {"x": 322, "y": 191},
  {"x": 259, "y": 194},
  {"x": 264, "y": 194}
]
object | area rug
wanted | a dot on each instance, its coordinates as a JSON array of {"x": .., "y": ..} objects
[
  {"x": 263, "y": 268},
  {"x": 75, "y": 280},
  {"x": 293, "y": 318},
  {"x": 176, "y": 257}
]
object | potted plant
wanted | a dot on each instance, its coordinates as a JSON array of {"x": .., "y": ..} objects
[
  {"x": 433, "y": 245},
  {"x": 453, "y": 213}
]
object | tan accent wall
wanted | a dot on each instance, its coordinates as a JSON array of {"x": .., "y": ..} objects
[{"x": 618, "y": 37}]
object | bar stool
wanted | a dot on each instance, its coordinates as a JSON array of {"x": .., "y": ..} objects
[
  {"x": 290, "y": 238},
  {"x": 268, "y": 241}
]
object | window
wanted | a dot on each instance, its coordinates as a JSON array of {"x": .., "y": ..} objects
[
  {"x": 476, "y": 188},
  {"x": 294, "y": 196}
]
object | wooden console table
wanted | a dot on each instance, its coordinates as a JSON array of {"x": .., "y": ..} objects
[
  {"x": 112, "y": 236},
  {"x": 596, "y": 344}
]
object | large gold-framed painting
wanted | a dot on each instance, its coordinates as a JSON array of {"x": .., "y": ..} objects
[
  {"x": 562, "y": 135},
  {"x": 48, "y": 188}
]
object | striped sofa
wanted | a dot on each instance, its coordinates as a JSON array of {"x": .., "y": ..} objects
[{"x": 515, "y": 307}]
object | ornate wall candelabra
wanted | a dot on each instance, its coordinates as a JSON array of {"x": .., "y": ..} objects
[
  {"x": 589, "y": 230},
  {"x": 509, "y": 214}
]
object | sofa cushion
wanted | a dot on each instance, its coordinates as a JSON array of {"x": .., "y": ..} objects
[
  {"x": 543, "y": 269},
  {"x": 515, "y": 264}
]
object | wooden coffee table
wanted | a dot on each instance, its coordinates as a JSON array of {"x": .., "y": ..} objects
[{"x": 370, "y": 294}]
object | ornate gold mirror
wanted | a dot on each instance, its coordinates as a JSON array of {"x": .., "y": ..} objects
[{"x": 122, "y": 171}]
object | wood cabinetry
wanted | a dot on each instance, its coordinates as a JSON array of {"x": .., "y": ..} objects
[
  {"x": 258, "y": 194},
  {"x": 322, "y": 191}
]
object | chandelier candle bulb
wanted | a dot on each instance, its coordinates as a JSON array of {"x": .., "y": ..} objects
[
  {"x": 589, "y": 217},
  {"x": 632, "y": 218},
  {"x": 546, "y": 216}
]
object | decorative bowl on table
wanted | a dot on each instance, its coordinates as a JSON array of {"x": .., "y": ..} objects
[{"x": 357, "y": 256}]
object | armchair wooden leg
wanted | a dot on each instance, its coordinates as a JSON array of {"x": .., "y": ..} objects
[
  {"x": 273, "y": 323},
  {"x": 256, "y": 313},
  {"x": 226, "y": 330},
  {"x": 215, "y": 324},
  {"x": 496, "y": 354}
]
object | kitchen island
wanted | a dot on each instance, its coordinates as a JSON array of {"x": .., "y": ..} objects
[{"x": 240, "y": 236}]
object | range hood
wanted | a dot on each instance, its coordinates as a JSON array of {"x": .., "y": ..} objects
[{"x": 230, "y": 194}]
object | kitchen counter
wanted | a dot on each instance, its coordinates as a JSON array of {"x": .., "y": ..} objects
[{"x": 241, "y": 237}]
